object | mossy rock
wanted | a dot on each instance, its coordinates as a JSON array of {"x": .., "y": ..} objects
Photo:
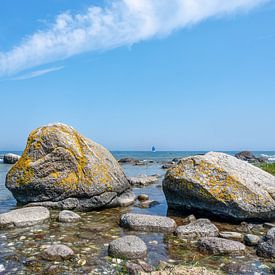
[
  {"x": 59, "y": 163},
  {"x": 222, "y": 185}
]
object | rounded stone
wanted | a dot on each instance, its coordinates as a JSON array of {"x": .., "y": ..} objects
[
  {"x": 251, "y": 240},
  {"x": 128, "y": 247},
  {"x": 10, "y": 158},
  {"x": 197, "y": 229},
  {"x": 231, "y": 235},
  {"x": 143, "y": 197},
  {"x": 58, "y": 252},
  {"x": 219, "y": 246},
  {"x": 151, "y": 223},
  {"x": 24, "y": 217},
  {"x": 68, "y": 216}
]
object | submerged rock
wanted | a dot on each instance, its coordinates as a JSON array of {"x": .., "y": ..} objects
[
  {"x": 142, "y": 180},
  {"x": 67, "y": 216},
  {"x": 219, "y": 246},
  {"x": 128, "y": 247},
  {"x": 151, "y": 223},
  {"x": 197, "y": 229},
  {"x": 23, "y": 217},
  {"x": 58, "y": 163},
  {"x": 222, "y": 185},
  {"x": 11, "y": 158},
  {"x": 58, "y": 252}
]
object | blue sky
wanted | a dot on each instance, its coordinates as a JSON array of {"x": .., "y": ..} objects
[{"x": 185, "y": 78}]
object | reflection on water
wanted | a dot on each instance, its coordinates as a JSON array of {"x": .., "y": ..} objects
[{"x": 89, "y": 238}]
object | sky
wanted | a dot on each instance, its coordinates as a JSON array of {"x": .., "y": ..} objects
[{"x": 129, "y": 74}]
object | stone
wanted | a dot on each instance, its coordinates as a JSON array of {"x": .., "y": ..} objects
[
  {"x": 248, "y": 156},
  {"x": 266, "y": 248},
  {"x": 11, "y": 158},
  {"x": 133, "y": 268},
  {"x": 197, "y": 229},
  {"x": 23, "y": 217},
  {"x": 128, "y": 247},
  {"x": 221, "y": 185},
  {"x": 168, "y": 165},
  {"x": 190, "y": 218},
  {"x": 231, "y": 235},
  {"x": 251, "y": 240},
  {"x": 143, "y": 197},
  {"x": 67, "y": 216},
  {"x": 219, "y": 246},
  {"x": 148, "y": 204},
  {"x": 127, "y": 161},
  {"x": 268, "y": 225},
  {"x": 57, "y": 252},
  {"x": 59, "y": 164},
  {"x": 150, "y": 223},
  {"x": 142, "y": 180}
]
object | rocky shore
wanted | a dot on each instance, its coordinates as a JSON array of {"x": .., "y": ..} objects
[{"x": 82, "y": 215}]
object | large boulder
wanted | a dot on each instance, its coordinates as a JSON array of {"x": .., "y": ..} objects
[
  {"x": 10, "y": 158},
  {"x": 62, "y": 168},
  {"x": 222, "y": 185}
]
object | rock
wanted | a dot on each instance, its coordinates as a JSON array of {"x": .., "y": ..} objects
[
  {"x": 268, "y": 225},
  {"x": 168, "y": 165},
  {"x": 231, "y": 235},
  {"x": 266, "y": 248},
  {"x": 60, "y": 164},
  {"x": 11, "y": 158},
  {"x": 251, "y": 240},
  {"x": 67, "y": 216},
  {"x": 128, "y": 247},
  {"x": 219, "y": 246},
  {"x": 151, "y": 223},
  {"x": 197, "y": 229},
  {"x": 148, "y": 204},
  {"x": 222, "y": 185},
  {"x": 142, "y": 180},
  {"x": 23, "y": 217},
  {"x": 57, "y": 252},
  {"x": 143, "y": 197},
  {"x": 134, "y": 268},
  {"x": 190, "y": 218},
  {"x": 247, "y": 156},
  {"x": 127, "y": 161}
]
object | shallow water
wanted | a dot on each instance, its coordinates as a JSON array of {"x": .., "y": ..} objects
[{"x": 21, "y": 248}]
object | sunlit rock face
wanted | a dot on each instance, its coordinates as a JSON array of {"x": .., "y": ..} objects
[
  {"x": 62, "y": 168},
  {"x": 222, "y": 185}
]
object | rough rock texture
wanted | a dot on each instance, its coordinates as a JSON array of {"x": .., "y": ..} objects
[
  {"x": 67, "y": 216},
  {"x": 142, "y": 180},
  {"x": 231, "y": 235},
  {"x": 58, "y": 252},
  {"x": 251, "y": 240},
  {"x": 58, "y": 163},
  {"x": 222, "y": 185},
  {"x": 151, "y": 223},
  {"x": 23, "y": 217},
  {"x": 197, "y": 229},
  {"x": 11, "y": 158},
  {"x": 128, "y": 247},
  {"x": 266, "y": 248},
  {"x": 248, "y": 156},
  {"x": 219, "y": 246}
]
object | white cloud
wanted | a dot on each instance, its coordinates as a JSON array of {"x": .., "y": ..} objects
[
  {"x": 122, "y": 22},
  {"x": 37, "y": 73}
]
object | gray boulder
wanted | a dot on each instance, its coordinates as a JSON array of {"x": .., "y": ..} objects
[
  {"x": 57, "y": 252},
  {"x": 251, "y": 240},
  {"x": 222, "y": 185},
  {"x": 24, "y": 217},
  {"x": 197, "y": 229},
  {"x": 142, "y": 180},
  {"x": 67, "y": 216},
  {"x": 247, "y": 156},
  {"x": 219, "y": 246},
  {"x": 266, "y": 248},
  {"x": 11, "y": 158},
  {"x": 151, "y": 223},
  {"x": 59, "y": 163},
  {"x": 128, "y": 247}
]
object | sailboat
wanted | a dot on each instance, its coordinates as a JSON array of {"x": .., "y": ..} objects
[{"x": 153, "y": 149}]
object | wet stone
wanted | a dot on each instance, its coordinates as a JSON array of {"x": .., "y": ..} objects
[
  {"x": 128, "y": 247},
  {"x": 68, "y": 216},
  {"x": 57, "y": 252},
  {"x": 143, "y": 197}
]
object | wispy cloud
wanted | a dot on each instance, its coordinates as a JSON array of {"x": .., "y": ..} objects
[
  {"x": 121, "y": 22},
  {"x": 37, "y": 73}
]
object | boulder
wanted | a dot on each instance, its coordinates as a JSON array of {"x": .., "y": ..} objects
[
  {"x": 67, "y": 216},
  {"x": 197, "y": 229},
  {"x": 59, "y": 164},
  {"x": 151, "y": 223},
  {"x": 128, "y": 247},
  {"x": 57, "y": 252},
  {"x": 251, "y": 240},
  {"x": 11, "y": 158},
  {"x": 142, "y": 180},
  {"x": 219, "y": 246},
  {"x": 249, "y": 157},
  {"x": 266, "y": 248},
  {"x": 23, "y": 217},
  {"x": 222, "y": 185}
]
